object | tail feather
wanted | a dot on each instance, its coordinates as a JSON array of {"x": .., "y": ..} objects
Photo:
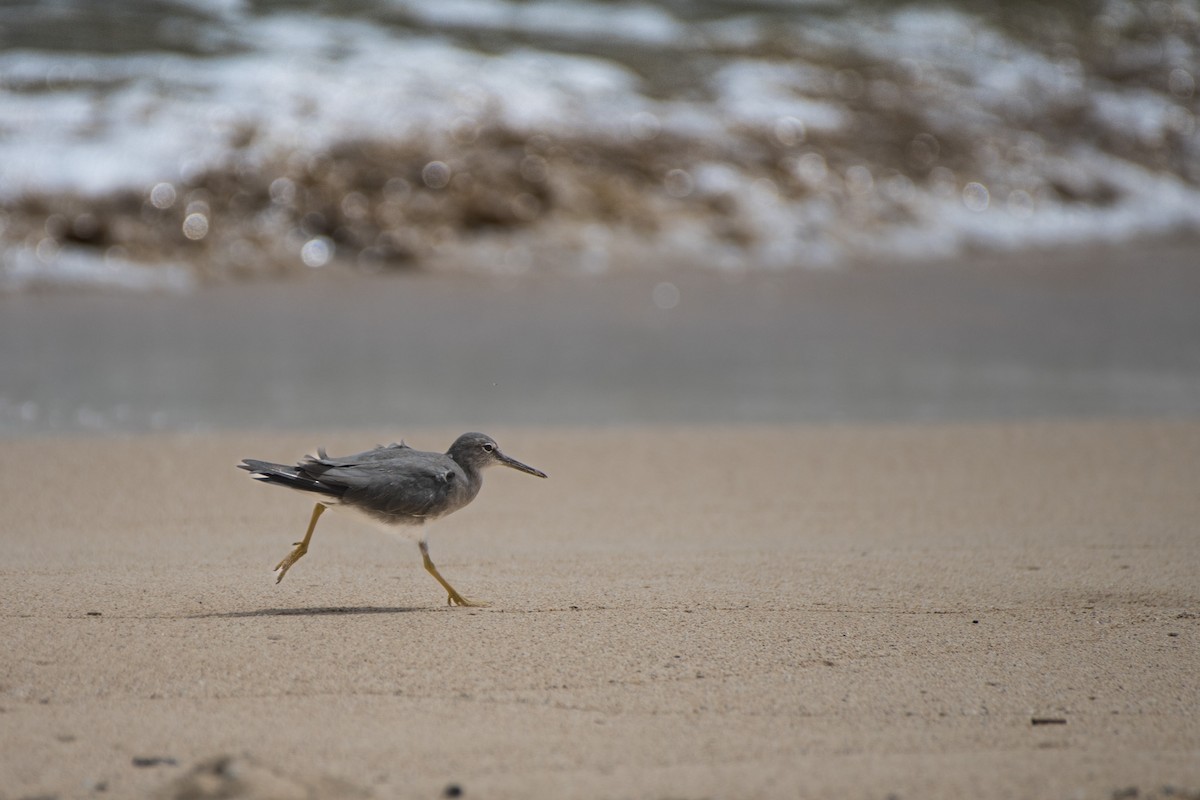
[{"x": 290, "y": 477}]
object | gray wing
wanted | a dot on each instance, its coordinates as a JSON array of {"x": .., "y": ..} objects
[
  {"x": 394, "y": 483},
  {"x": 380, "y": 453}
]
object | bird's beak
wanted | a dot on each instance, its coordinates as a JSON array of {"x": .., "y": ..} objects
[{"x": 512, "y": 462}]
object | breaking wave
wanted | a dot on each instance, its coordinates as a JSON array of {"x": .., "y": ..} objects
[{"x": 208, "y": 141}]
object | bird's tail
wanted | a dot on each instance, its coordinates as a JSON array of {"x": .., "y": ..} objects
[{"x": 284, "y": 475}]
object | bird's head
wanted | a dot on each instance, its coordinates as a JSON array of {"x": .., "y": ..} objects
[{"x": 478, "y": 450}]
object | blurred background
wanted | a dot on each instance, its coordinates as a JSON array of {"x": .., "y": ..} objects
[{"x": 469, "y": 212}]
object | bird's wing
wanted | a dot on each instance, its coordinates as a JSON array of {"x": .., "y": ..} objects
[
  {"x": 380, "y": 453},
  {"x": 395, "y": 482}
]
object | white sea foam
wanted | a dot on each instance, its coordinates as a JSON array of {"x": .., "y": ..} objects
[
  {"x": 22, "y": 269},
  {"x": 760, "y": 93},
  {"x": 643, "y": 24},
  {"x": 306, "y": 87}
]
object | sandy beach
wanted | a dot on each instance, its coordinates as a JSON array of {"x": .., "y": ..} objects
[
  {"x": 897, "y": 531},
  {"x": 989, "y": 610},
  {"x": 860, "y": 342}
]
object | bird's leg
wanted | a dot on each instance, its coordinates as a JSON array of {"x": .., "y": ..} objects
[
  {"x": 301, "y": 546},
  {"x": 453, "y": 598}
]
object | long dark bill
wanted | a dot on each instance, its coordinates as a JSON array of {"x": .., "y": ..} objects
[{"x": 517, "y": 465}]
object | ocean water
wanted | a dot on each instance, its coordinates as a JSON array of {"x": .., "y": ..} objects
[{"x": 162, "y": 144}]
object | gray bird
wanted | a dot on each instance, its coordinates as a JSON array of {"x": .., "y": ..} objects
[{"x": 393, "y": 486}]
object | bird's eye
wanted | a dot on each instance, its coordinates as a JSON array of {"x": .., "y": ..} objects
[{"x": 488, "y": 447}]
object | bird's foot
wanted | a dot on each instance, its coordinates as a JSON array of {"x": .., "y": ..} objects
[
  {"x": 283, "y": 566},
  {"x": 456, "y": 599}
]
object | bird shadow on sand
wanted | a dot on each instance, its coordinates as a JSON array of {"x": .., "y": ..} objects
[{"x": 312, "y": 611}]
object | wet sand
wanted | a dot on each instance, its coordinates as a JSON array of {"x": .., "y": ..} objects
[
  {"x": 983, "y": 610},
  {"x": 1067, "y": 334}
]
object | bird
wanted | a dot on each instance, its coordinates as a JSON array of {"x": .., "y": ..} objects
[{"x": 394, "y": 486}]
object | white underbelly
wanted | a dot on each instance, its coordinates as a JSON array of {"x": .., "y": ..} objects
[{"x": 408, "y": 531}]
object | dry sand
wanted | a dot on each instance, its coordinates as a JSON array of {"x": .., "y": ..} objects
[{"x": 710, "y": 612}]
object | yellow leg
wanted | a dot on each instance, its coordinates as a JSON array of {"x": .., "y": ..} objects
[
  {"x": 453, "y": 598},
  {"x": 301, "y": 547}
]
